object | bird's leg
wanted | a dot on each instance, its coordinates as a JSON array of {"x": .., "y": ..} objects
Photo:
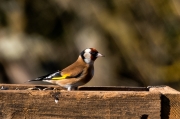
[{"x": 70, "y": 88}]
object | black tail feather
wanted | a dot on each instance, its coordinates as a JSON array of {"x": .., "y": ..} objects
[
  {"x": 46, "y": 77},
  {"x": 37, "y": 79}
]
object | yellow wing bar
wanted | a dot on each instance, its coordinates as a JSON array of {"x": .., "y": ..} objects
[{"x": 60, "y": 78}]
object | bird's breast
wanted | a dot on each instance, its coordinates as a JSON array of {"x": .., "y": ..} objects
[{"x": 88, "y": 74}]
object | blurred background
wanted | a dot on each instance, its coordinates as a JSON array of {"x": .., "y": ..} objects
[{"x": 140, "y": 39}]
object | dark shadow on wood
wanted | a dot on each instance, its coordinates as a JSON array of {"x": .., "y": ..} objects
[
  {"x": 144, "y": 116},
  {"x": 165, "y": 107},
  {"x": 114, "y": 88}
]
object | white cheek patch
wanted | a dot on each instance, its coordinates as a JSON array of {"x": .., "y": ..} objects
[
  {"x": 87, "y": 57},
  {"x": 87, "y": 61}
]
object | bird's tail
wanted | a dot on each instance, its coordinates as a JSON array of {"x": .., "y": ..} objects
[
  {"x": 46, "y": 77},
  {"x": 37, "y": 79}
]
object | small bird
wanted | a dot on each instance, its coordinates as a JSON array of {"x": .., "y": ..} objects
[{"x": 76, "y": 74}]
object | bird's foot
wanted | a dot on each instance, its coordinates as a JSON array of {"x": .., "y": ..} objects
[{"x": 41, "y": 88}]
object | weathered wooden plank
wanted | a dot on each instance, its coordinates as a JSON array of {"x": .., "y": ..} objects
[
  {"x": 38, "y": 104},
  {"x": 82, "y": 88},
  {"x": 170, "y": 102},
  {"x": 26, "y": 86}
]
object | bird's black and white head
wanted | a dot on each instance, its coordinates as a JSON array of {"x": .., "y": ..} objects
[{"x": 89, "y": 55}]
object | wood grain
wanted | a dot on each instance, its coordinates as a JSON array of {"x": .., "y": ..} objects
[
  {"x": 170, "y": 102},
  {"x": 40, "y": 104}
]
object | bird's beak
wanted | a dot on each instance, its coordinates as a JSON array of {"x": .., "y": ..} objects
[{"x": 100, "y": 55}]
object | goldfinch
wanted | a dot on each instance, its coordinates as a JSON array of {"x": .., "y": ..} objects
[{"x": 76, "y": 74}]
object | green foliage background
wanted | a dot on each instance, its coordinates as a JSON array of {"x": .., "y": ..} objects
[{"x": 140, "y": 39}]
